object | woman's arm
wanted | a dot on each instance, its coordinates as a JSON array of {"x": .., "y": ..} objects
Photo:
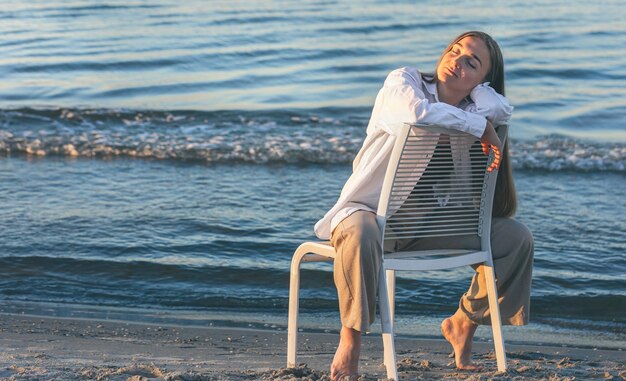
[
  {"x": 497, "y": 109},
  {"x": 401, "y": 100}
]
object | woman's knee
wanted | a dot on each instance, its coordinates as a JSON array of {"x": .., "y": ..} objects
[
  {"x": 509, "y": 235},
  {"x": 358, "y": 233}
]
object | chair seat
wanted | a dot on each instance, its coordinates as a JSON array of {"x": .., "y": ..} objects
[{"x": 433, "y": 259}]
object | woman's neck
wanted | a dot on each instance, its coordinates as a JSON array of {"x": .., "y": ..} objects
[{"x": 448, "y": 96}]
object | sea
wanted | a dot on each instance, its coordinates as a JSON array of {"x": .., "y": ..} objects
[{"x": 161, "y": 160}]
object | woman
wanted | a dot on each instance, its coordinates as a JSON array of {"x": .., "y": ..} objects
[{"x": 465, "y": 93}]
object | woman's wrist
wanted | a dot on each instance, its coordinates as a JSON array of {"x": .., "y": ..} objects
[{"x": 490, "y": 136}]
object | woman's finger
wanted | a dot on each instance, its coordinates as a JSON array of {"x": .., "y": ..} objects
[
  {"x": 497, "y": 157},
  {"x": 485, "y": 147}
]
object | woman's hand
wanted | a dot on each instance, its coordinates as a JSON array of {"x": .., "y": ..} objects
[{"x": 491, "y": 140}]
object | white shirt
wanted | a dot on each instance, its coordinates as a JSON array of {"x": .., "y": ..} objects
[{"x": 405, "y": 98}]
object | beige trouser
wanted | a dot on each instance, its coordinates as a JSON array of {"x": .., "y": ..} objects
[{"x": 357, "y": 242}]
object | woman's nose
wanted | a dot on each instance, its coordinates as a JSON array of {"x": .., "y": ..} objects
[{"x": 458, "y": 61}]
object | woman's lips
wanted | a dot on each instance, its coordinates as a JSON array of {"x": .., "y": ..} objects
[{"x": 452, "y": 72}]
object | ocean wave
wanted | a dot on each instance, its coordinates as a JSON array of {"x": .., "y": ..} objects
[
  {"x": 211, "y": 137},
  {"x": 299, "y": 137},
  {"x": 561, "y": 153}
]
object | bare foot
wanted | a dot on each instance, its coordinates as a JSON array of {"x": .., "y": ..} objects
[
  {"x": 346, "y": 361},
  {"x": 460, "y": 333}
]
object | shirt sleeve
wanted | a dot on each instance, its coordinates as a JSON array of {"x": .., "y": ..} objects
[
  {"x": 490, "y": 104},
  {"x": 401, "y": 101}
]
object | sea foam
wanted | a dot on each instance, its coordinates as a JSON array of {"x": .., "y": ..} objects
[{"x": 245, "y": 137}]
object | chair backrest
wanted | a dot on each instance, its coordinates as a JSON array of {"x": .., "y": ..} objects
[{"x": 437, "y": 185}]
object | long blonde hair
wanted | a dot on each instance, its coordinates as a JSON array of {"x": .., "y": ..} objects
[{"x": 505, "y": 199}]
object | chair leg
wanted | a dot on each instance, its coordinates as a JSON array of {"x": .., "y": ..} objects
[
  {"x": 387, "y": 327},
  {"x": 496, "y": 323},
  {"x": 294, "y": 300},
  {"x": 391, "y": 292}
]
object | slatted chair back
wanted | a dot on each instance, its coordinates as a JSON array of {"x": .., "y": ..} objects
[{"x": 438, "y": 188}]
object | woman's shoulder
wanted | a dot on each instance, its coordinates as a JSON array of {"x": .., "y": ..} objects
[{"x": 404, "y": 75}]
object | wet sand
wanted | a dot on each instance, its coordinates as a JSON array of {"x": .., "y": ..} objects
[{"x": 74, "y": 349}]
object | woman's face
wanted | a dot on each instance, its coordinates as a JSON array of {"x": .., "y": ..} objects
[{"x": 465, "y": 66}]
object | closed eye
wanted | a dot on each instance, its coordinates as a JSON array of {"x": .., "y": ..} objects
[{"x": 456, "y": 50}]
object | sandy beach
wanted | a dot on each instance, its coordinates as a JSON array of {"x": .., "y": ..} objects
[{"x": 67, "y": 349}]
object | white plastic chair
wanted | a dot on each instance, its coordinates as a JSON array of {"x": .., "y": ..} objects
[{"x": 435, "y": 186}]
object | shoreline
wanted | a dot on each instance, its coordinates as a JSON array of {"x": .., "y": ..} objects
[
  {"x": 49, "y": 348},
  {"x": 541, "y": 331}
]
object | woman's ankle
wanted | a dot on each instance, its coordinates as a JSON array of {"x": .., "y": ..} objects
[
  {"x": 350, "y": 336},
  {"x": 461, "y": 318}
]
